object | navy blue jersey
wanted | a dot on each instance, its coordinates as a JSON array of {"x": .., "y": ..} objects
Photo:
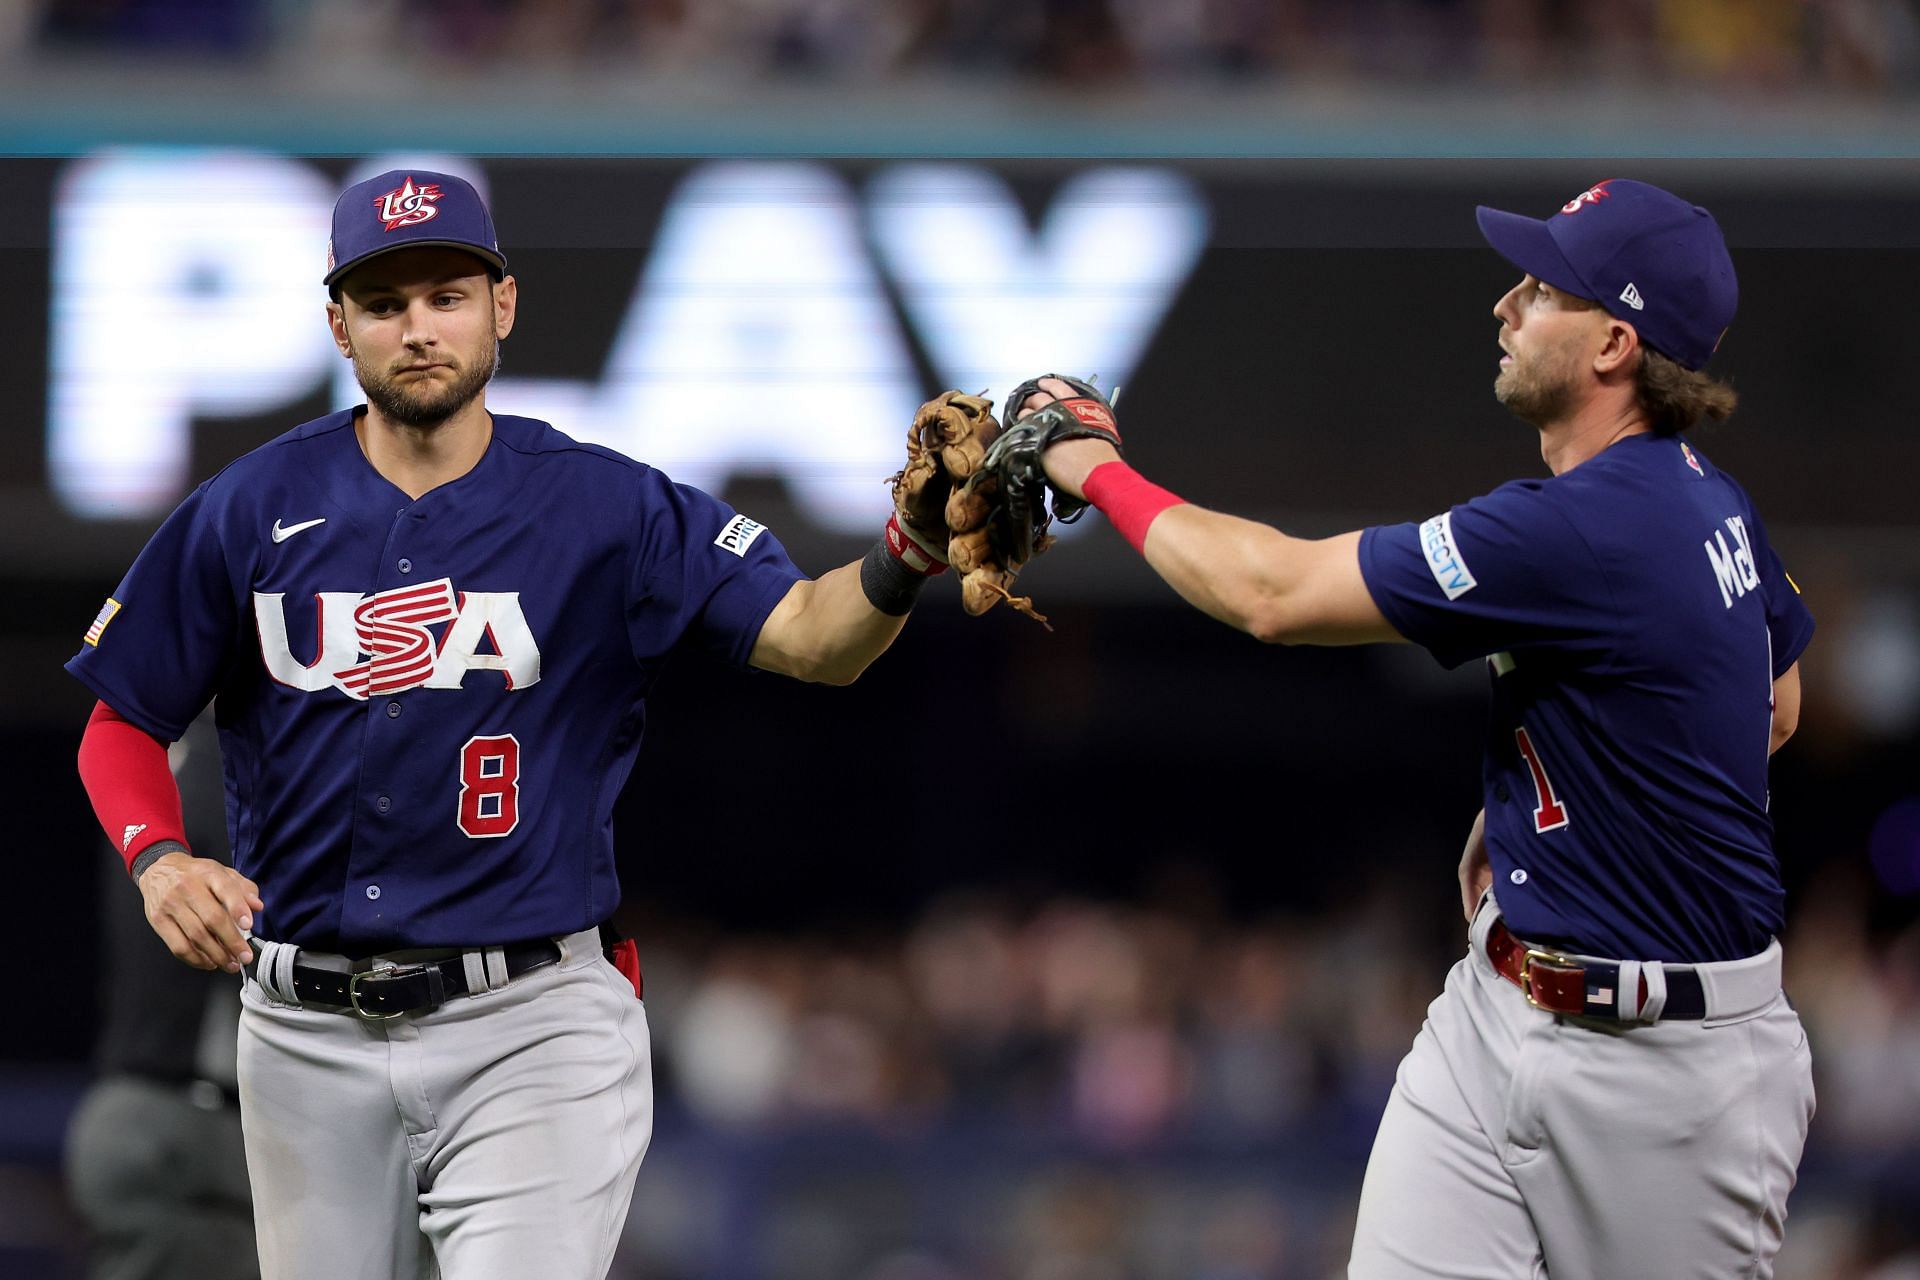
[
  {"x": 1634, "y": 617},
  {"x": 427, "y": 707}
]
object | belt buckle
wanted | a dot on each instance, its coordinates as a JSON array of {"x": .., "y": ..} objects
[
  {"x": 1556, "y": 959},
  {"x": 353, "y": 990}
]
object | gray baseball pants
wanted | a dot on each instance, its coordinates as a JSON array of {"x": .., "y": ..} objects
[
  {"x": 496, "y": 1136},
  {"x": 1519, "y": 1144}
]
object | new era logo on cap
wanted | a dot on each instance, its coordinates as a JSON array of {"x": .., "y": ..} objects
[
  {"x": 405, "y": 208},
  {"x": 1647, "y": 256}
]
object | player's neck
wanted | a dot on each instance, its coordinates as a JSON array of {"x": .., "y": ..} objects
[
  {"x": 417, "y": 459},
  {"x": 1588, "y": 432}
]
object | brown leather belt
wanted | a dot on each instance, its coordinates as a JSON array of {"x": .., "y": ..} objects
[{"x": 1560, "y": 983}]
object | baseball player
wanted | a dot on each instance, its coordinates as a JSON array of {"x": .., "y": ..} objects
[
  {"x": 429, "y": 633},
  {"x": 1612, "y": 1084}
]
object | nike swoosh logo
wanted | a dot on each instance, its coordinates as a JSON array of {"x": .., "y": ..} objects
[{"x": 281, "y": 535}]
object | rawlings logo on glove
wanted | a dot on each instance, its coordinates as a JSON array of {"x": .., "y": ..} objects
[{"x": 1015, "y": 455}]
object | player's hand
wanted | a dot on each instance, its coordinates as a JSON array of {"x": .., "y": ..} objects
[
  {"x": 1068, "y": 462},
  {"x": 1476, "y": 873},
  {"x": 199, "y": 907}
]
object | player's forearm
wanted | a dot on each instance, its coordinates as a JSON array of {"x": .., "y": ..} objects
[
  {"x": 1277, "y": 588},
  {"x": 1786, "y": 708},
  {"x": 125, "y": 773},
  {"x": 1241, "y": 572},
  {"x": 826, "y": 630},
  {"x": 1244, "y": 573},
  {"x": 849, "y": 633}
]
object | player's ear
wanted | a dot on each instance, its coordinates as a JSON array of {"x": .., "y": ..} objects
[
  {"x": 506, "y": 301},
  {"x": 337, "y": 321},
  {"x": 1617, "y": 352}
]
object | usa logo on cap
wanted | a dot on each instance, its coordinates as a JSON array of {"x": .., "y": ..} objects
[
  {"x": 1592, "y": 195},
  {"x": 410, "y": 207},
  {"x": 407, "y": 205}
]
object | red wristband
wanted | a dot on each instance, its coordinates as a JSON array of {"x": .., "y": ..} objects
[
  {"x": 1128, "y": 499},
  {"x": 909, "y": 550},
  {"x": 124, "y": 769}
]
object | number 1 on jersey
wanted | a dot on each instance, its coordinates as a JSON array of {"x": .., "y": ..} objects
[
  {"x": 1549, "y": 814},
  {"x": 490, "y": 786}
]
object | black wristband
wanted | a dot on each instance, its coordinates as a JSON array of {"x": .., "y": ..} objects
[
  {"x": 153, "y": 853},
  {"x": 890, "y": 585}
]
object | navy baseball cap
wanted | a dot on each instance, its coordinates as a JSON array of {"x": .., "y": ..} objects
[
  {"x": 407, "y": 208},
  {"x": 1647, "y": 256}
]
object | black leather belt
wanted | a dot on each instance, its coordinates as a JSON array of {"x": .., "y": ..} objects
[{"x": 405, "y": 988}]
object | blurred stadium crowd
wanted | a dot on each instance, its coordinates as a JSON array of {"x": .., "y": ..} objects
[
  {"x": 1158, "y": 1090},
  {"x": 1120, "y": 1024},
  {"x": 1866, "y": 46}
]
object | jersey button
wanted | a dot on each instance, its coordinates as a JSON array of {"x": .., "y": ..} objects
[
  {"x": 373, "y": 893},
  {"x": 406, "y": 566},
  {"x": 383, "y": 804},
  {"x": 393, "y": 711}
]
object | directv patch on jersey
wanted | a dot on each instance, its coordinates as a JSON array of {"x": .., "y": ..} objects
[
  {"x": 1443, "y": 557},
  {"x": 100, "y": 621},
  {"x": 739, "y": 535}
]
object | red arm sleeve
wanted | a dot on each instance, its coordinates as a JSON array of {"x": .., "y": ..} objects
[{"x": 124, "y": 769}]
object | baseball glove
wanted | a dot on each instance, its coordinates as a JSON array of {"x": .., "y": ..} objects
[
  {"x": 1013, "y": 460},
  {"x": 952, "y": 508},
  {"x": 946, "y": 442}
]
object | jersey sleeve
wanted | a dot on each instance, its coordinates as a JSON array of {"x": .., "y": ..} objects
[
  {"x": 703, "y": 573},
  {"x": 1504, "y": 572},
  {"x": 157, "y": 651},
  {"x": 1789, "y": 622}
]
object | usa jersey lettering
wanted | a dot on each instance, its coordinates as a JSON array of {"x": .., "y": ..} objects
[{"x": 390, "y": 630}]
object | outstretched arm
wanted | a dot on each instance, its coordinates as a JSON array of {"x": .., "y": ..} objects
[
  {"x": 829, "y": 629},
  {"x": 1277, "y": 588},
  {"x": 826, "y": 629}
]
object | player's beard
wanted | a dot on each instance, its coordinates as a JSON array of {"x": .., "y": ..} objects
[
  {"x": 426, "y": 404},
  {"x": 1539, "y": 389}
]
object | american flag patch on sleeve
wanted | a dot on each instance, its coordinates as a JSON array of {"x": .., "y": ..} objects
[{"x": 101, "y": 620}]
